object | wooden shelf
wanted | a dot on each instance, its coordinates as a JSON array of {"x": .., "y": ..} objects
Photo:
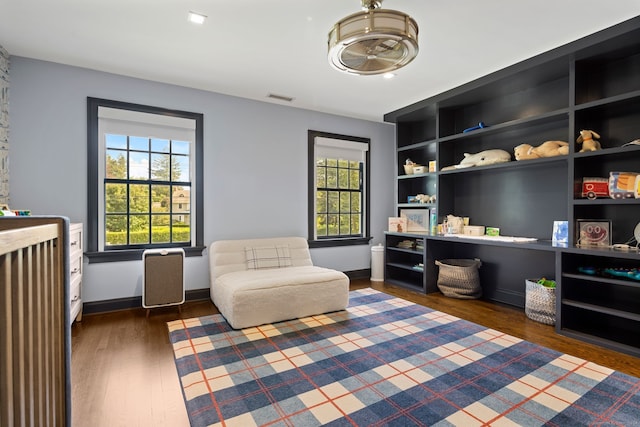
[{"x": 588, "y": 84}]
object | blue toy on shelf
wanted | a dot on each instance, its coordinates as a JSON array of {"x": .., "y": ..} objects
[
  {"x": 481, "y": 125},
  {"x": 625, "y": 273}
]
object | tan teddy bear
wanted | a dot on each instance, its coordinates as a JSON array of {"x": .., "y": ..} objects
[
  {"x": 589, "y": 140},
  {"x": 546, "y": 149},
  {"x": 523, "y": 152}
]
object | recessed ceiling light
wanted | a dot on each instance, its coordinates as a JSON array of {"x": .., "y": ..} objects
[{"x": 197, "y": 18}]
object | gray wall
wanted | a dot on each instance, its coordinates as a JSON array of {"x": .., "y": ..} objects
[{"x": 255, "y": 164}]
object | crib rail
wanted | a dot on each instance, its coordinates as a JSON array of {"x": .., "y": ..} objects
[{"x": 34, "y": 365}]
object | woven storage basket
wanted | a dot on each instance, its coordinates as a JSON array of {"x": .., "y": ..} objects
[
  {"x": 540, "y": 303},
  {"x": 459, "y": 278}
]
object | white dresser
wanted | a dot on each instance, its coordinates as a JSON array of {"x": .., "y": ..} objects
[{"x": 76, "y": 246}]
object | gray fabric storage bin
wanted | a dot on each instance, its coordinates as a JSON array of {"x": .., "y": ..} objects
[
  {"x": 540, "y": 302},
  {"x": 459, "y": 278}
]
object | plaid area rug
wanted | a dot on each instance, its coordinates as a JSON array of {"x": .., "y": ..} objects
[{"x": 388, "y": 362}]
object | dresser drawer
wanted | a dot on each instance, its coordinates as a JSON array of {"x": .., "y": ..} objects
[
  {"x": 75, "y": 238},
  {"x": 76, "y": 258},
  {"x": 76, "y": 292},
  {"x": 75, "y": 298},
  {"x": 75, "y": 267}
]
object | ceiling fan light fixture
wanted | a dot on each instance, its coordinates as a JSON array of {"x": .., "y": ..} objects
[{"x": 373, "y": 41}]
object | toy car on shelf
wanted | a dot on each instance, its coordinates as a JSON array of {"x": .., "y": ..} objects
[
  {"x": 622, "y": 185},
  {"x": 592, "y": 188}
]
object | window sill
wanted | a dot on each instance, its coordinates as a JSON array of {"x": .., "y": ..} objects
[
  {"x": 339, "y": 242},
  {"x": 133, "y": 254}
]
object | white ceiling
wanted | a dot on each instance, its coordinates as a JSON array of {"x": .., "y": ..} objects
[{"x": 251, "y": 48}]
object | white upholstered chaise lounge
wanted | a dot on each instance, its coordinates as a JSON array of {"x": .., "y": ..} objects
[{"x": 258, "y": 281}]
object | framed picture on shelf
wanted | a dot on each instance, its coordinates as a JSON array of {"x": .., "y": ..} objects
[
  {"x": 593, "y": 232},
  {"x": 397, "y": 224},
  {"x": 417, "y": 219}
]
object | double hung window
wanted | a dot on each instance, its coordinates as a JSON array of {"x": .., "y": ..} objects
[
  {"x": 145, "y": 179},
  {"x": 338, "y": 189}
]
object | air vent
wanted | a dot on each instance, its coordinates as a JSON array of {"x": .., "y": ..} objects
[{"x": 280, "y": 97}]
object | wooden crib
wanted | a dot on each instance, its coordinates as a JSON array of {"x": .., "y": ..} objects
[{"x": 34, "y": 329}]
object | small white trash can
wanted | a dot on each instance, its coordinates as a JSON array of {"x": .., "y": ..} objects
[{"x": 377, "y": 263}]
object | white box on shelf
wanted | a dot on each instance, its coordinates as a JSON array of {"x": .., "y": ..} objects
[{"x": 473, "y": 230}]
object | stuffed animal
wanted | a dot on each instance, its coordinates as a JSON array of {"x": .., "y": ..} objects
[
  {"x": 425, "y": 198},
  {"x": 524, "y": 152},
  {"x": 483, "y": 158},
  {"x": 588, "y": 142},
  {"x": 546, "y": 149}
]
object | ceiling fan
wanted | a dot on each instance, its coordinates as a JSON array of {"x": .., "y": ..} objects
[{"x": 373, "y": 41}]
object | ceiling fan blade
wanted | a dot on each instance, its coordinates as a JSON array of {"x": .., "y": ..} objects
[{"x": 373, "y": 54}]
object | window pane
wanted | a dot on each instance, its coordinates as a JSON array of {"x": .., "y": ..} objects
[
  {"x": 160, "y": 230},
  {"x": 115, "y": 198},
  {"x": 355, "y": 202},
  {"x": 343, "y": 178},
  {"x": 139, "y": 198},
  {"x": 332, "y": 225},
  {"x": 160, "y": 167},
  {"x": 332, "y": 178},
  {"x": 138, "y": 165},
  {"x": 332, "y": 162},
  {"x": 115, "y": 141},
  {"x": 345, "y": 201},
  {"x": 116, "y": 164},
  {"x": 354, "y": 179},
  {"x": 160, "y": 145},
  {"x": 180, "y": 169},
  {"x": 180, "y": 230},
  {"x": 321, "y": 162},
  {"x": 180, "y": 147},
  {"x": 355, "y": 224},
  {"x": 116, "y": 230},
  {"x": 343, "y": 163},
  {"x": 334, "y": 202},
  {"x": 160, "y": 198},
  {"x": 181, "y": 200},
  {"x": 160, "y": 220},
  {"x": 321, "y": 225},
  {"x": 321, "y": 177},
  {"x": 345, "y": 224},
  {"x": 138, "y": 143},
  {"x": 321, "y": 202},
  {"x": 138, "y": 229}
]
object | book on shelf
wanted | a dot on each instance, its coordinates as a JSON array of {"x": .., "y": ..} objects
[
  {"x": 419, "y": 246},
  {"x": 406, "y": 244}
]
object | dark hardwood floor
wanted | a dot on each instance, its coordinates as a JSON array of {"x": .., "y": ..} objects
[{"x": 123, "y": 373}]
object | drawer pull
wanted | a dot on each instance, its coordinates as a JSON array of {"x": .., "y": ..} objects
[
  {"x": 76, "y": 298},
  {"x": 75, "y": 270}
]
